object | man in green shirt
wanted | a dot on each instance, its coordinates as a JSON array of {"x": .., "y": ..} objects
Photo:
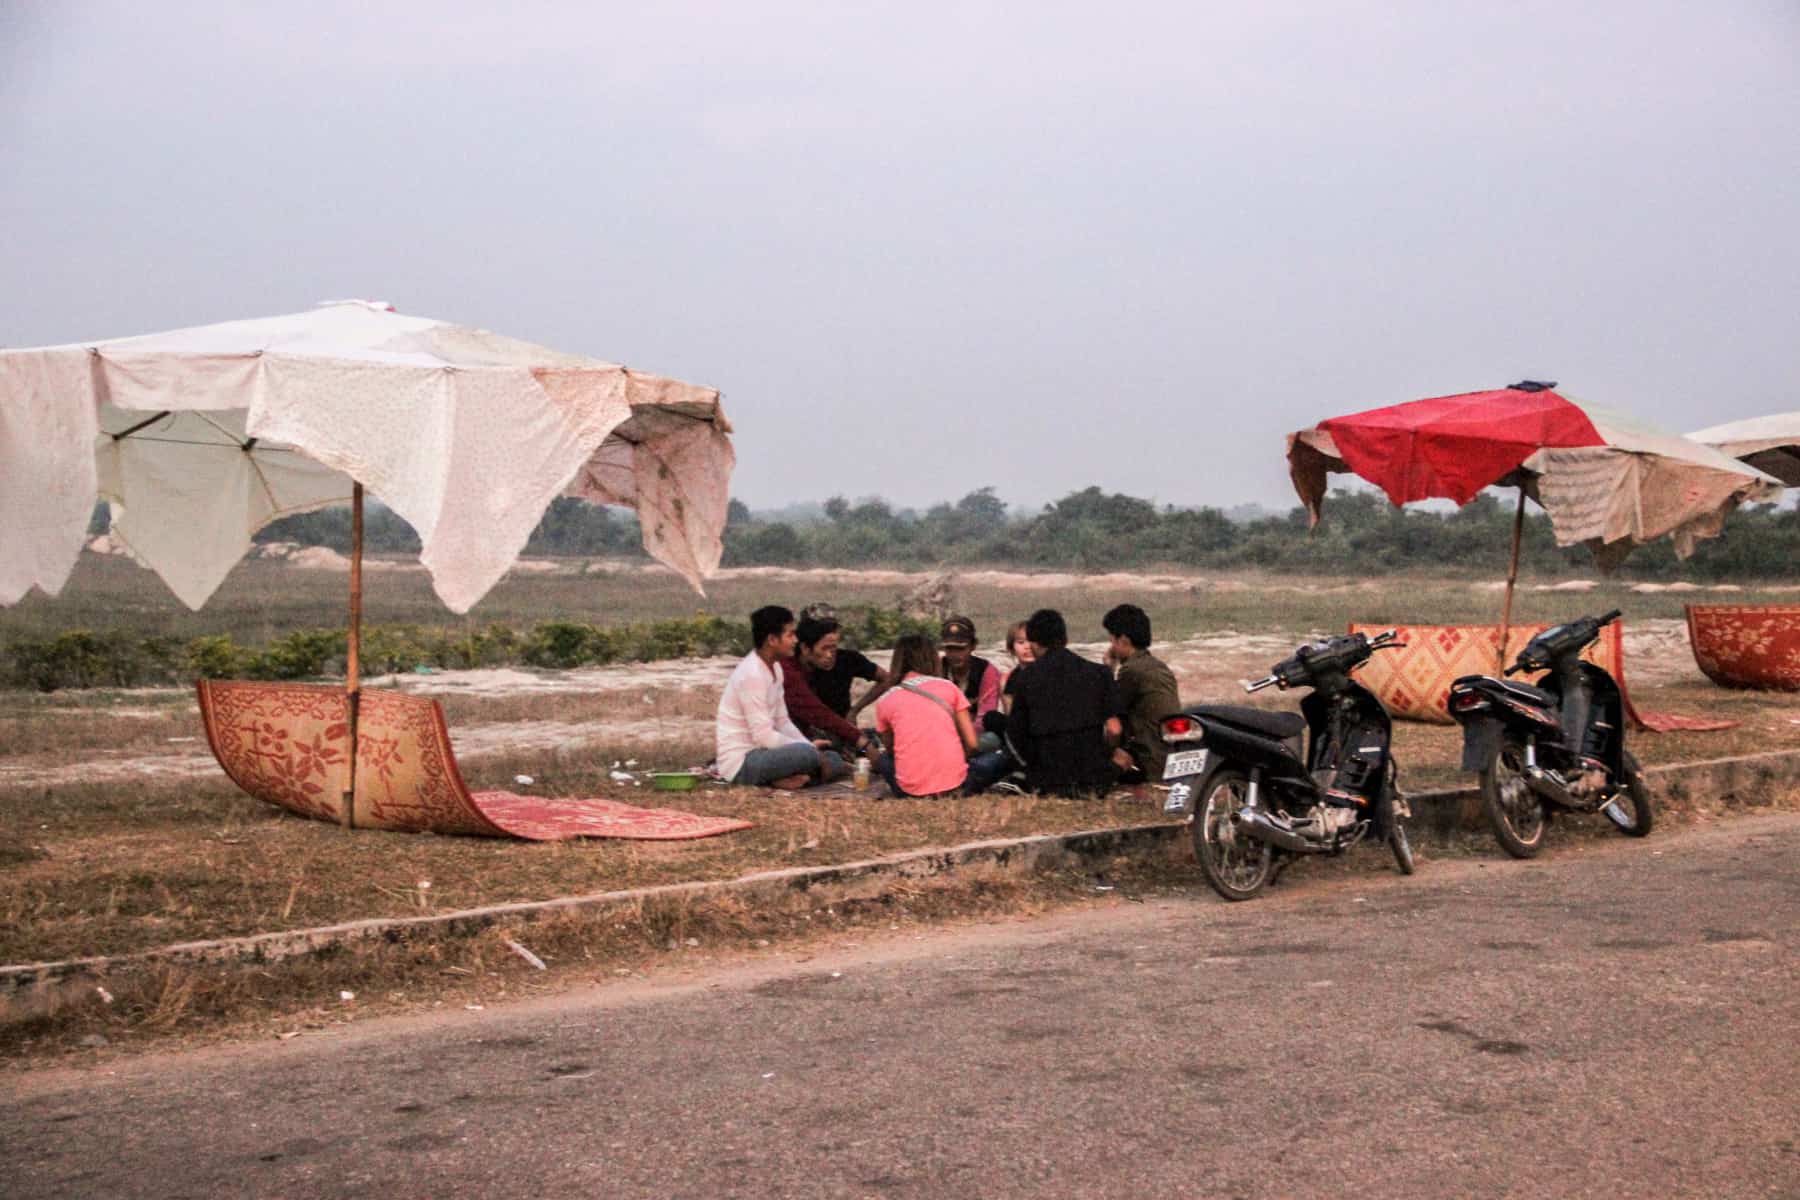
[{"x": 1147, "y": 693}]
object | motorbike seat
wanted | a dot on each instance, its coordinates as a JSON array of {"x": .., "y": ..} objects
[
  {"x": 1279, "y": 725},
  {"x": 1529, "y": 694}
]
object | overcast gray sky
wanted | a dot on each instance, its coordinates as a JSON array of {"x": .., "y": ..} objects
[{"x": 926, "y": 248}]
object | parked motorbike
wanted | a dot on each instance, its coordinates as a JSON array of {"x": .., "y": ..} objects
[
  {"x": 1259, "y": 801},
  {"x": 1558, "y": 745}
]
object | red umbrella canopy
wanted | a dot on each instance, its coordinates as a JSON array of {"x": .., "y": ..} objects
[{"x": 1449, "y": 447}]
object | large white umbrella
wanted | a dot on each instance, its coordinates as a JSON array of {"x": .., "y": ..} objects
[
  {"x": 199, "y": 437},
  {"x": 1770, "y": 444}
]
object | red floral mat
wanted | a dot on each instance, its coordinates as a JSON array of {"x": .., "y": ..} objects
[
  {"x": 542, "y": 819},
  {"x": 1414, "y": 683},
  {"x": 289, "y": 744}
]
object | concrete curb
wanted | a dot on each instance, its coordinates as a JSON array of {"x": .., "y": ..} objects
[{"x": 1746, "y": 780}]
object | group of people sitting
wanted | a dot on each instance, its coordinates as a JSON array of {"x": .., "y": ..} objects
[{"x": 946, "y": 719}]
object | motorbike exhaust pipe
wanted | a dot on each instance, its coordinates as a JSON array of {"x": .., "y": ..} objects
[
  {"x": 1261, "y": 826},
  {"x": 1549, "y": 786}
]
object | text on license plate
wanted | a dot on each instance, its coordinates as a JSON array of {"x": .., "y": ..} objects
[{"x": 1188, "y": 762}]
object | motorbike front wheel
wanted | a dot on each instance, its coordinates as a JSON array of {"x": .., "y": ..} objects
[
  {"x": 1403, "y": 855},
  {"x": 1236, "y": 864},
  {"x": 1630, "y": 809},
  {"x": 1396, "y": 836},
  {"x": 1515, "y": 812}
]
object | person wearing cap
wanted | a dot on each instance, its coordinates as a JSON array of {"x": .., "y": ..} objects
[{"x": 976, "y": 677}]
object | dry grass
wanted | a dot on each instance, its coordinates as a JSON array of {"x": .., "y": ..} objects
[
  {"x": 302, "y": 995},
  {"x": 98, "y": 870}
]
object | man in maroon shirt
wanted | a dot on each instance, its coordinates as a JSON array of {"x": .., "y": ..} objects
[{"x": 811, "y": 714}]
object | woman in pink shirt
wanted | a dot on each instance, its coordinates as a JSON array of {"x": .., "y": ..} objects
[{"x": 926, "y": 718}]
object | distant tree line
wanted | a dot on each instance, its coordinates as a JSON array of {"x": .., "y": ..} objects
[
  {"x": 1096, "y": 530},
  {"x": 570, "y": 527}
]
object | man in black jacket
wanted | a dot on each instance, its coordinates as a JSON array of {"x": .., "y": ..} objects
[{"x": 1059, "y": 715}]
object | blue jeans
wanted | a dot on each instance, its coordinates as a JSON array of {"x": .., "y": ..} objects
[
  {"x": 985, "y": 770},
  {"x": 764, "y": 766}
]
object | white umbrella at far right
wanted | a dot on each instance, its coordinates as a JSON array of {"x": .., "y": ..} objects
[{"x": 1770, "y": 444}]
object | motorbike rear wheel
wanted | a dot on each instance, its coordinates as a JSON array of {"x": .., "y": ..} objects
[
  {"x": 1516, "y": 814},
  {"x": 1235, "y": 864},
  {"x": 1629, "y": 809}
]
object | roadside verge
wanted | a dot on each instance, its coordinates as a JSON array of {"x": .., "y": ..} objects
[{"x": 1747, "y": 781}]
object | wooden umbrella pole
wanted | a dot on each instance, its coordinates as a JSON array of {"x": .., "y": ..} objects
[
  {"x": 1512, "y": 578},
  {"x": 353, "y": 655}
]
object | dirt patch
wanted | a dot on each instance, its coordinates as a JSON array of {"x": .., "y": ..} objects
[
  {"x": 644, "y": 678},
  {"x": 520, "y": 737},
  {"x": 111, "y": 767}
]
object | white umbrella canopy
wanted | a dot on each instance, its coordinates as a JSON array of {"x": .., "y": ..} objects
[
  {"x": 199, "y": 437},
  {"x": 1770, "y": 444}
]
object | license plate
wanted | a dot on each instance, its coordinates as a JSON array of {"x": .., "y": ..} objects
[{"x": 1188, "y": 762}]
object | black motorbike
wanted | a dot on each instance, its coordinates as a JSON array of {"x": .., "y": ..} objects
[
  {"x": 1558, "y": 745},
  {"x": 1259, "y": 801}
]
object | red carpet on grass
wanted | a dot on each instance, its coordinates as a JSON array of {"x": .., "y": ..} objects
[
  {"x": 288, "y": 744},
  {"x": 539, "y": 819},
  {"x": 1414, "y": 682}
]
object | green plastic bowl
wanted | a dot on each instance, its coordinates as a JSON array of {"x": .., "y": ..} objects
[{"x": 675, "y": 781}]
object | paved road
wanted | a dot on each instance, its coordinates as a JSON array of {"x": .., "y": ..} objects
[{"x": 1618, "y": 1019}]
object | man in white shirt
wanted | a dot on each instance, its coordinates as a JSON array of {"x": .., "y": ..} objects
[{"x": 758, "y": 744}]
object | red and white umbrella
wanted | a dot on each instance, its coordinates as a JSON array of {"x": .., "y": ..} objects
[{"x": 1607, "y": 480}]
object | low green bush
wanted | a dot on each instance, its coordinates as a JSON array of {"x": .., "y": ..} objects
[
  {"x": 300, "y": 655},
  {"x": 560, "y": 644},
  {"x": 214, "y": 657}
]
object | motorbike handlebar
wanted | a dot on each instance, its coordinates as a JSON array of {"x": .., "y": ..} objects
[
  {"x": 1257, "y": 685},
  {"x": 1610, "y": 617},
  {"x": 1513, "y": 670}
]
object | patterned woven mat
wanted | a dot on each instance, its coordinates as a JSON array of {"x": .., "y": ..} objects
[
  {"x": 288, "y": 744},
  {"x": 542, "y": 819},
  {"x": 1747, "y": 645},
  {"x": 1414, "y": 683}
]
